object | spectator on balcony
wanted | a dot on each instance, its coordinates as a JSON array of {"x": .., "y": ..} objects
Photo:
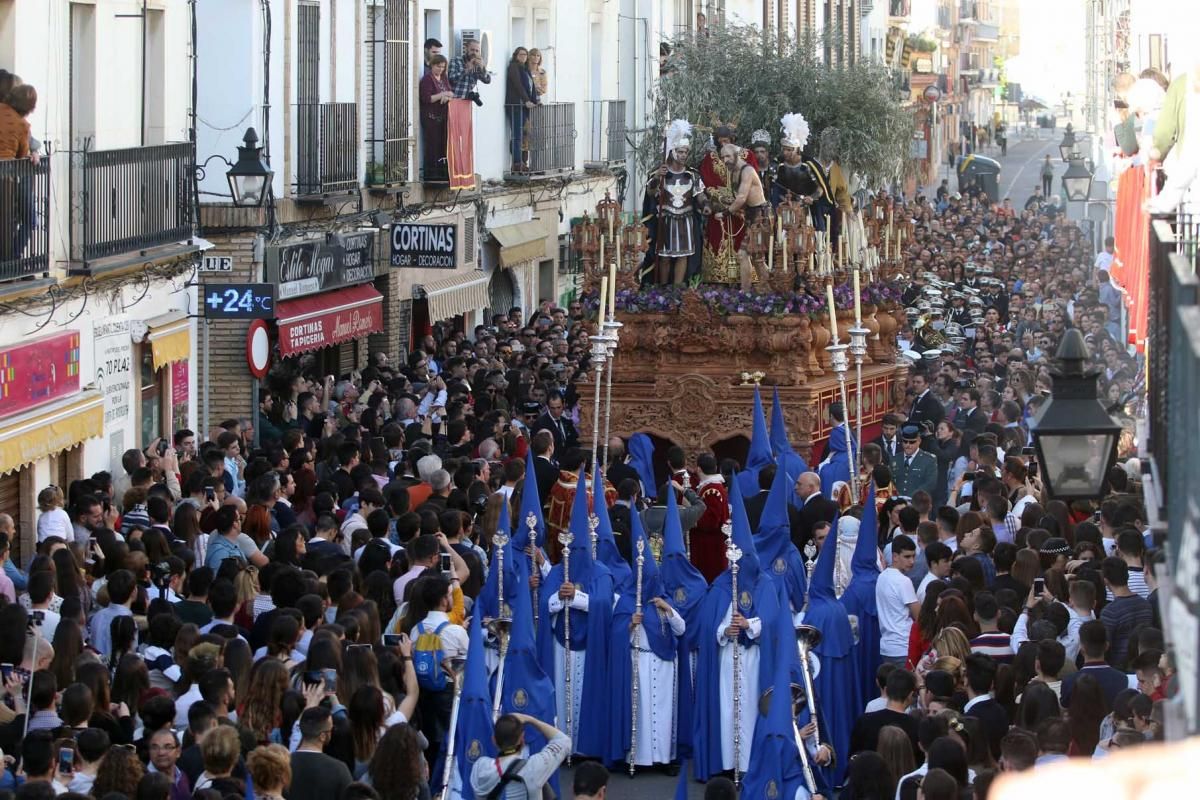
[
  {"x": 432, "y": 48},
  {"x": 541, "y": 81},
  {"x": 16, "y": 142},
  {"x": 436, "y": 94},
  {"x": 467, "y": 71},
  {"x": 519, "y": 97}
]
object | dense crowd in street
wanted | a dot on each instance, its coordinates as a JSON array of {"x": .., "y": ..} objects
[{"x": 398, "y": 584}]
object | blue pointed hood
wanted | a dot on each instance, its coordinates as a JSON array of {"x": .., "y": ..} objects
[
  {"x": 531, "y": 503},
  {"x": 822, "y": 577},
  {"x": 775, "y": 766},
  {"x": 641, "y": 458},
  {"x": 749, "y": 567},
  {"x": 606, "y": 545},
  {"x": 865, "y": 560},
  {"x": 581, "y": 544},
  {"x": 774, "y": 539},
  {"x": 473, "y": 734},
  {"x": 651, "y": 579},
  {"x": 683, "y": 585},
  {"x": 760, "y": 450},
  {"x": 779, "y": 434}
]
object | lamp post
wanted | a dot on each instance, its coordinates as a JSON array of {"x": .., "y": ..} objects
[
  {"x": 1075, "y": 437},
  {"x": 251, "y": 176},
  {"x": 1067, "y": 145},
  {"x": 1077, "y": 180}
]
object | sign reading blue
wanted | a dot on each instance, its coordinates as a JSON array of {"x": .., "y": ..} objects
[{"x": 238, "y": 300}]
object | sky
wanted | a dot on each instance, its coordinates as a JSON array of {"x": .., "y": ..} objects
[{"x": 1052, "y": 45}]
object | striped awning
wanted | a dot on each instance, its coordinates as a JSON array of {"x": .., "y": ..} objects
[
  {"x": 170, "y": 338},
  {"x": 50, "y": 429},
  {"x": 457, "y": 295},
  {"x": 524, "y": 241}
]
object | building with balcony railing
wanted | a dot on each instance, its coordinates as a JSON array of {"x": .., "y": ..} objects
[{"x": 99, "y": 240}]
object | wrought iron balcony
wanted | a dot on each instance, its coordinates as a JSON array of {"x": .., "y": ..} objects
[
  {"x": 547, "y": 140},
  {"x": 388, "y": 76},
  {"x": 24, "y": 219},
  {"x": 128, "y": 201},
  {"x": 606, "y": 143},
  {"x": 326, "y": 155}
]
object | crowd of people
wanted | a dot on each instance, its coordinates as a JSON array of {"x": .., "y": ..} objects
[{"x": 400, "y": 584}]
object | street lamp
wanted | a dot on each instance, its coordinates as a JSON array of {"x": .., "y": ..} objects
[
  {"x": 250, "y": 177},
  {"x": 1077, "y": 180},
  {"x": 1067, "y": 145},
  {"x": 1075, "y": 437}
]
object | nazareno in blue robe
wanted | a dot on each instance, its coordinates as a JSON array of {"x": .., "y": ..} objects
[
  {"x": 859, "y": 598},
  {"x": 773, "y": 540},
  {"x": 758, "y": 596}
]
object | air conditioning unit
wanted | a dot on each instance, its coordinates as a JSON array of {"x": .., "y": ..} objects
[{"x": 481, "y": 35}]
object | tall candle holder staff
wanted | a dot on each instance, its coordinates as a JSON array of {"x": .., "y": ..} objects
[
  {"x": 858, "y": 348},
  {"x": 599, "y": 357},
  {"x": 840, "y": 364}
]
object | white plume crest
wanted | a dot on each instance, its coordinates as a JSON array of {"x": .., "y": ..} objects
[
  {"x": 679, "y": 131},
  {"x": 795, "y": 129}
]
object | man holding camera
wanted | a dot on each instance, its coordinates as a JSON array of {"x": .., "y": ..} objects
[{"x": 468, "y": 70}]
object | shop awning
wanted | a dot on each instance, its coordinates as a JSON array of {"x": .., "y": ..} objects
[
  {"x": 524, "y": 241},
  {"x": 50, "y": 429},
  {"x": 453, "y": 296},
  {"x": 170, "y": 338},
  {"x": 310, "y": 323}
]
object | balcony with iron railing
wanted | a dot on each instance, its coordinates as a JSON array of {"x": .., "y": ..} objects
[
  {"x": 24, "y": 221},
  {"x": 899, "y": 9},
  {"x": 968, "y": 12},
  {"x": 130, "y": 203},
  {"x": 606, "y": 140},
  {"x": 388, "y": 68},
  {"x": 325, "y": 159},
  {"x": 541, "y": 140}
]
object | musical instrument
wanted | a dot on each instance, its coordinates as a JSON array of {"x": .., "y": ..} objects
[
  {"x": 565, "y": 538},
  {"x": 531, "y": 524},
  {"x": 808, "y": 637},
  {"x": 457, "y": 664},
  {"x": 734, "y": 554},
  {"x": 797, "y": 697},
  {"x": 633, "y": 648},
  {"x": 502, "y": 622}
]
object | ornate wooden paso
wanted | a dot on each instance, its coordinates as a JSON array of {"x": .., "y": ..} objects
[{"x": 679, "y": 376}]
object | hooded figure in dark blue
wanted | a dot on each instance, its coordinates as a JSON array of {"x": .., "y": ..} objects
[
  {"x": 486, "y": 603},
  {"x": 859, "y": 598},
  {"x": 686, "y": 588},
  {"x": 658, "y": 633},
  {"x": 529, "y": 536},
  {"x": 779, "y": 556},
  {"x": 760, "y": 451},
  {"x": 781, "y": 448},
  {"x": 606, "y": 545},
  {"x": 473, "y": 732},
  {"x": 527, "y": 689},
  {"x": 836, "y": 464},
  {"x": 775, "y": 769},
  {"x": 641, "y": 458},
  {"x": 588, "y": 598},
  {"x": 836, "y": 682},
  {"x": 757, "y": 606}
]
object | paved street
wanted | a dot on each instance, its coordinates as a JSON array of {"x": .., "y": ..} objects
[
  {"x": 1021, "y": 169},
  {"x": 650, "y": 785}
]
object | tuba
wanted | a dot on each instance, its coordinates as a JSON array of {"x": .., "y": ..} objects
[
  {"x": 808, "y": 637},
  {"x": 458, "y": 665}
]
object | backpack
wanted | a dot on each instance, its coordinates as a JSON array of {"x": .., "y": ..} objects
[
  {"x": 427, "y": 658},
  {"x": 508, "y": 777}
]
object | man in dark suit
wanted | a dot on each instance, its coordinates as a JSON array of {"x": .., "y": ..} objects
[
  {"x": 545, "y": 471},
  {"x": 925, "y": 408},
  {"x": 618, "y": 467},
  {"x": 915, "y": 469},
  {"x": 817, "y": 508},
  {"x": 969, "y": 417},
  {"x": 756, "y": 504},
  {"x": 620, "y": 516},
  {"x": 565, "y": 435},
  {"x": 889, "y": 442},
  {"x": 981, "y": 673}
]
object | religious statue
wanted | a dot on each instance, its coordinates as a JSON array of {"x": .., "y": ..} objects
[
  {"x": 673, "y": 201},
  {"x": 722, "y": 234}
]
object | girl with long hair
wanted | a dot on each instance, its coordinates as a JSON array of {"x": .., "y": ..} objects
[
  {"x": 397, "y": 769},
  {"x": 366, "y": 725},
  {"x": 1038, "y": 703},
  {"x": 120, "y": 772},
  {"x": 68, "y": 646},
  {"x": 1088, "y": 708},
  {"x": 260, "y": 708},
  {"x": 922, "y": 633},
  {"x": 895, "y": 748},
  {"x": 130, "y": 681}
]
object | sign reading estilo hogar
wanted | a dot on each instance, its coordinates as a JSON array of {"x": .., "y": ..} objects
[{"x": 318, "y": 265}]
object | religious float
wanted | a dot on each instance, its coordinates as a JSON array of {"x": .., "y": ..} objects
[{"x": 680, "y": 362}]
